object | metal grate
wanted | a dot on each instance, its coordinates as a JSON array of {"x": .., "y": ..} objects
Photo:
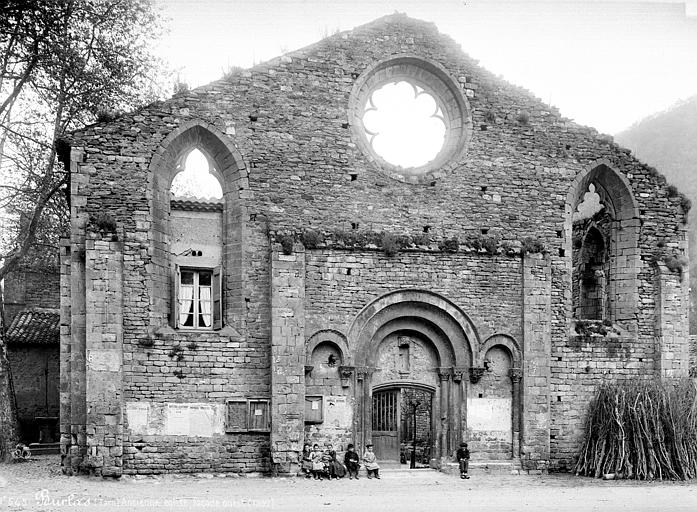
[{"x": 385, "y": 411}]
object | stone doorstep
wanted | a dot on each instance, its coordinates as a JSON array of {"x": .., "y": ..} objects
[
  {"x": 510, "y": 467},
  {"x": 45, "y": 448}
]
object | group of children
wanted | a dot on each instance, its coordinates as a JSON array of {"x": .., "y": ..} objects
[{"x": 321, "y": 464}]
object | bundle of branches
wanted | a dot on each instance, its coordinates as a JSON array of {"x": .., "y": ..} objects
[{"x": 641, "y": 430}]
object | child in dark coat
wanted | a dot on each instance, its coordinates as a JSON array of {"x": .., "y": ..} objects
[
  {"x": 463, "y": 458},
  {"x": 352, "y": 462}
]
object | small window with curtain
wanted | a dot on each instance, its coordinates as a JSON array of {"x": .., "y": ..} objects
[{"x": 197, "y": 298}]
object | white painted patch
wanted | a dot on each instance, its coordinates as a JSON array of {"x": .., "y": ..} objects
[
  {"x": 104, "y": 360},
  {"x": 337, "y": 412},
  {"x": 176, "y": 419},
  {"x": 137, "y": 416},
  {"x": 490, "y": 414}
]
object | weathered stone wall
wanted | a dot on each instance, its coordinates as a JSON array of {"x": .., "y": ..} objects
[
  {"x": 238, "y": 453},
  {"x": 282, "y": 129},
  {"x": 288, "y": 357},
  {"x": 487, "y": 288},
  {"x": 338, "y": 401},
  {"x": 30, "y": 289},
  {"x": 490, "y": 409}
]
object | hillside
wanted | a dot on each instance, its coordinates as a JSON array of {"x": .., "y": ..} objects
[{"x": 668, "y": 141}]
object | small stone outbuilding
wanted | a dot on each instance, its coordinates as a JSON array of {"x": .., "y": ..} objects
[
  {"x": 32, "y": 339},
  {"x": 335, "y": 294}
]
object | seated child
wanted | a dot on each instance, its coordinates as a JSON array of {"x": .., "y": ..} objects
[
  {"x": 352, "y": 462},
  {"x": 463, "y": 458},
  {"x": 336, "y": 468},
  {"x": 317, "y": 462},
  {"x": 327, "y": 461},
  {"x": 306, "y": 461},
  {"x": 371, "y": 462}
]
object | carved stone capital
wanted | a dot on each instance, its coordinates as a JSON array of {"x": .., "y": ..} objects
[
  {"x": 363, "y": 371},
  {"x": 346, "y": 371},
  {"x": 515, "y": 374},
  {"x": 476, "y": 373},
  {"x": 308, "y": 369},
  {"x": 459, "y": 373},
  {"x": 444, "y": 374}
]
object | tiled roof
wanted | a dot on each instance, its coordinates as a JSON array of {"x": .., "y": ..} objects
[
  {"x": 196, "y": 204},
  {"x": 35, "y": 327}
]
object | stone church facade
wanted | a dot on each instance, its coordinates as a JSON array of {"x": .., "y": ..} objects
[{"x": 333, "y": 296}]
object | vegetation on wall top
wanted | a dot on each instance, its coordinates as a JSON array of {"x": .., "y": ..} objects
[{"x": 391, "y": 244}]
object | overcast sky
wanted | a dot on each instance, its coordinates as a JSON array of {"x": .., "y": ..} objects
[{"x": 604, "y": 64}]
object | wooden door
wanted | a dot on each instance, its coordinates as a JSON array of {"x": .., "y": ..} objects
[{"x": 386, "y": 425}]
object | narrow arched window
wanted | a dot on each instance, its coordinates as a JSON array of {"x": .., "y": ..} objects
[
  {"x": 196, "y": 242},
  {"x": 591, "y": 269},
  {"x": 605, "y": 255}
]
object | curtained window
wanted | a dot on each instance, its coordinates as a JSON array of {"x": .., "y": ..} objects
[{"x": 195, "y": 298}]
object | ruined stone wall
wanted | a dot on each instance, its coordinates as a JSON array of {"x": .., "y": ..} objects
[
  {"x": 288, "y": 120},
  {"x": 487, "y": 288},
  {"x": 30, "y": 289}
]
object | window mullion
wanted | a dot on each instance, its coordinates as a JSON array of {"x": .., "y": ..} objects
[{"x": 196, "y": 299}]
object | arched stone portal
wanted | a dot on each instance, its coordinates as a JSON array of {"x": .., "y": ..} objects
[{"x": 406, "y": 340}]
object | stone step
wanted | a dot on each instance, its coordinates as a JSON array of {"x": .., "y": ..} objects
[
  {"x": 510, "y": 467},
  {"x": 45, "y": 448},
  {"x": 398, "y": 467}
]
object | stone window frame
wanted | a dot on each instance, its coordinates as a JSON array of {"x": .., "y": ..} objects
[
  {"x": 245, "y": 405},
  {"x": 216, "y": 297},
  {"x": 434, "y": 79},
  {"x": 314, "y": 398},
  {"x": 618, "y": 196}
]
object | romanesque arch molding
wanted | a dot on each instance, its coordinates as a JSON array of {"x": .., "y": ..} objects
[
  {"x": 423, "y": 327},
  {"x": 426, "y": 311},
  {"x": 502, "y": 340},
  {"x": 331, "y": 336}
]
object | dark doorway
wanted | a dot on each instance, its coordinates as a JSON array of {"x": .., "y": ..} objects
[
  {"x": 402, "y": 425},
  {"x": 416, "y": 427}
]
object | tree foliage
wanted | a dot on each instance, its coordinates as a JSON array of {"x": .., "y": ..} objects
[{"x": 63, "y": 64}]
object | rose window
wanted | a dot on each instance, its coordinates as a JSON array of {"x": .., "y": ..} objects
[
  {"x": 404, "y": 124},
  {"x": 410, "y": 118}
]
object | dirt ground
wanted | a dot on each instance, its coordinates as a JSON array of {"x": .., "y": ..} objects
[{"x": 38, "y": 485}]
